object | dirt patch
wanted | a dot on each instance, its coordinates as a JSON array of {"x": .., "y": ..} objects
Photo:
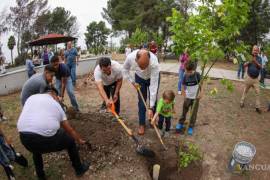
[{"x": 105, "y": 137}]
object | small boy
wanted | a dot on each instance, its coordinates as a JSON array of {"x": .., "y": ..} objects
[
  {"x": 165, "y": 110},
  {"x": 190, "y": 82}
]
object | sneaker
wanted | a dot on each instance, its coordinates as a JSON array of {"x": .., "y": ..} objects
[
  {"x": 179, "y": 127},
  {"x": 3, "y": 118},
  {"x": 190, "y": 131},
  {"x": 166, "y": 134},
  {"x": 258, "y": 110},
  {"x": 179, "y": 92},
  {"x": 83, "y": 169},
  {"x": 242, "y": 105}
]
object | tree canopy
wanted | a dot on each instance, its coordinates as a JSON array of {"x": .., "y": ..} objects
[
  {"x": 58, "y": 21},
  {"x": 96, "y": 37}
]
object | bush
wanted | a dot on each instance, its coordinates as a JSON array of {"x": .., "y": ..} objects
[{"x": 20, "y": 60}]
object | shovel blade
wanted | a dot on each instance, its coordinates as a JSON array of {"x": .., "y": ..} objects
[{"x": 145, "y": 151}]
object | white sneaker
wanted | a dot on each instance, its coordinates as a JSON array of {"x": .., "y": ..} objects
[
  {"x": 179, "y": 92},
  {"x": 3, "y": 118},
  {"x": 166, "y": 134}
]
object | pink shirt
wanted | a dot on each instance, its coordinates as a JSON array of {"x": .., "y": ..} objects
[{"x": 183, "y": 60}]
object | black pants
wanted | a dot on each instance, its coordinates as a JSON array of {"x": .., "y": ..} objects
[
  {"x": 188, "y": 103},
  {"x": 39, "y": 145},
  {"x": 110, "y": 90},
  {"x": 167, "y": 122}
]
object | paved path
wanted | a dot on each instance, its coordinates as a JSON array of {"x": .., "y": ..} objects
[{"x": 214, "y": 72}]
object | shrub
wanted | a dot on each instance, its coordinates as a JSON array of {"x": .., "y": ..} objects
[{"x": 188, "y": 153}]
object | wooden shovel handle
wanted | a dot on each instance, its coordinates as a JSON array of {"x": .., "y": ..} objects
[
  {"x": 140, "y": 93},
  {"x": 160, "y": 139},
  {"x": 129, "y": 131}
]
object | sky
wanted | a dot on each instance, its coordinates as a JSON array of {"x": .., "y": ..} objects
[{"x": 86, "y": 11}]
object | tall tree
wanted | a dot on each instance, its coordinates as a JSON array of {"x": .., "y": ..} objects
[
  {"x": 11, "y": 44},
  {"x": 96, "y": 36},
  {"x": 22, "y": 15},
  {"x": 259, "y": 22},
  {"x": 59, "y": 20},
  {"x": 150, "y": 15}
]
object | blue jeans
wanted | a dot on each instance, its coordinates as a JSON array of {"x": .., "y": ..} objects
[
  {"x": 72, "y": 69},
  {"x": 241, "y": 69},
  {"x": 144, "y": 88},
  {"x": 70, "y": 91},
  {"x": 263, "y": 73},
  {"x": 181, "y": 77}
]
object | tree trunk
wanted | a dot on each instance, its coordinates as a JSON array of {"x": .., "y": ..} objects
[
  {"x": 11, "y": 54},
  {"x": 18, "y": 45}
]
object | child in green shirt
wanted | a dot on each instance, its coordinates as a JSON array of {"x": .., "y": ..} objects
[{"x": 165, "y": 110}]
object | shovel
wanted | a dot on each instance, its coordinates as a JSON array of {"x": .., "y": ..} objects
[
  {"x": 154, "y": 125},
  {"x": 139, "y": 149}
]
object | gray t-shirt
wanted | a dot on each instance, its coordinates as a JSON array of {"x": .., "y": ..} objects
[{"x": 35, "y": 85}]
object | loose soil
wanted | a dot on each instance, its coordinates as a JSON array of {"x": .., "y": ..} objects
[{"x": 220, "y": 125}]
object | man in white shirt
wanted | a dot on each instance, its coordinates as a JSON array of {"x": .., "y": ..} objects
[
  {"x": 108, "y": 79},
  {"x": 263, "y": 70},
  {"x": 127, "y": 50},
  {"x": 147, "y": 70},
  {"x": 39, "y": 127}
]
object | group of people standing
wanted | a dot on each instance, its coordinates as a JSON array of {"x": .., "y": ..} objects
[{"x": 70, "y": 57}]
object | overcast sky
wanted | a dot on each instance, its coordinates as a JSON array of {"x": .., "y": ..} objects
[{"x": 86, "y": 11}]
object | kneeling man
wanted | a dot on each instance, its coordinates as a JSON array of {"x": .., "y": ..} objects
[{"x": 39, "y": 127}]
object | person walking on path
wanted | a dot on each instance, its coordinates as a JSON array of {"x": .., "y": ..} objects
[
  {"x": 253, "y": 72},
  {"x": 44, "y": 128},
  {"x": 147, "y": 77},
  {"x": 263, "y": 70},
  {"x": 30, "y": 67},
  {"x": 64, "y": 82},
  {"x": 241, "y": 61},
  {"x": 108, "y": 79},
  {"x": 37, "y": 83},
  {"x": 183, "y": 59},
  {"x": 71, "y": 59},
  {"x": 153, "y": 47}
]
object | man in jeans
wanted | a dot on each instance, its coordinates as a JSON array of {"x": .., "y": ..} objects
[
  {"x": 147, "y": 77},
  {"x": 63, "y": 81},
  {"x": 108, "y": 78},
  {"x": 241, "y": 61},
  {"x": 71, "y": 60},
  {"x": 263, "y": 70},
  {"x": 39, "y": 127},
  {"x": 253, "y": 72}
]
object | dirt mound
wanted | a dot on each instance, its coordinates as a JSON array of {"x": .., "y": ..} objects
[{"x": 104, "y": 135}]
